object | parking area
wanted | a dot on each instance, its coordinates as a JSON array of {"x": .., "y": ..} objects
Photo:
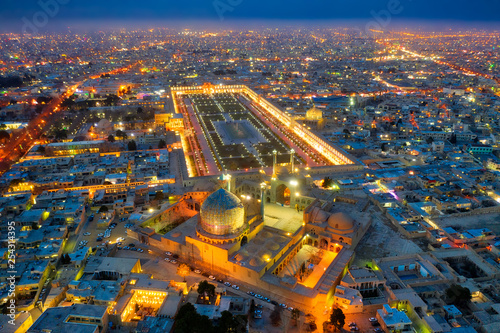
[
  {"x": 92, "y": 236},
  {"x": 364, "y": 322}
]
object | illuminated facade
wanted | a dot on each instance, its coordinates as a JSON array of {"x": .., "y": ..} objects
[
  {"x": 143, "y": 303},
  {"x": 79, "y": 147}
]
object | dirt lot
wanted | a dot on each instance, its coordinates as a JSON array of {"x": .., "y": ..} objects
[{"x": 383, "y": 240}]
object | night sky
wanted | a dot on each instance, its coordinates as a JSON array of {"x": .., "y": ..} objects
[{"x": 222, "y": 10}]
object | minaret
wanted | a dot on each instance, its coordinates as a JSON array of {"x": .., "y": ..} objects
[
  {"x": 292, "y": 155},
  {"x": 262, "y": 198},
  {"x": 275, "y": 157},
  {"x": 227, "y": 178},
  {"x": 229, "y": 183}
]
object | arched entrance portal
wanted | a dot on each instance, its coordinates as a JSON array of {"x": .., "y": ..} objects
[
  {"x": 244, "y": 240},
  {"x": 283, "y": 195}
]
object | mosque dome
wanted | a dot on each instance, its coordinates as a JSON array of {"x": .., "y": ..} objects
[
  {"x": 341, "y": 222},
  {"x": 318, "y": 215},
  {"x": 314, "y": 114},
  {"x": 222, "y": 213}
]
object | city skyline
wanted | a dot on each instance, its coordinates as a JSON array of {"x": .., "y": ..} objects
[
  {"x": 231, "y": 166},
  {"x": 58, "y": 15}
]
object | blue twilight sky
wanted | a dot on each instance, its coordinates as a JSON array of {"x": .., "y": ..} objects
[{"x": 12, "y": 12}]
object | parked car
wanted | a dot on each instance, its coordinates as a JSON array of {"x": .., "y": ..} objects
[
  {"x": 372, "y": 319},
  {"x": 211, "y": 277},
  {"x": 235, "y": 287},
  {"x": 173, "y": 261},
  {"x": 197, "y": 271}
]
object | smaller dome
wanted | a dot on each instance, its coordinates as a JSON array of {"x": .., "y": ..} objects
[
  {"x": 280, "y": 239},
  {"x": 264, "y": 253},
  {"x": 283, "y": 171},
  {"x": 273, "y": 246},
  {"x": 341, "y": 221},
  {"x": 266, "y": 234},
  {"x": 240, "y": 257},
  {"x": 258, "y": 241},
  {"x": 314, "y": 114},
  {"x": 252, "y": 248},
  {"x": 255, "y": 262},
  {"x": 318, "y": 215}
]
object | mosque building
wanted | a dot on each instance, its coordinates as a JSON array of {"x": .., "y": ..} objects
[{"x": 229, "y": 237}]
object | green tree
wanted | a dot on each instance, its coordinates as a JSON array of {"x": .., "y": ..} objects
[
  {"x": 188, "y": 320},
  {"x": 252, "y": 306},
  {"x": 121, "y": 134},
  {"x": 227, "y": 323},
  {"x": 206, "y": 288},
  {"x": 276, "y": 316},
  {"x": 65, "y": 259},
  {"x": 162, "y": 144},
  {"x": 337, "y": 318},
  {"x": 111, "y": 138},
  {"x": 429, "y": 140},
  {"x": 183, "y": 270},
  {"x": 41, "y": 149},
  {"x": 327, "y": 182},
  {"x": 132, "y": 145},
  {"x": 60, "y": 134},
  {"x": 458, "y": 295},
  {"x": 103, "y": 209},
  {"x": 4, "y": 135},
  {"x": 159, "y": 196},
  {"x": 296, "y": 316}
]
